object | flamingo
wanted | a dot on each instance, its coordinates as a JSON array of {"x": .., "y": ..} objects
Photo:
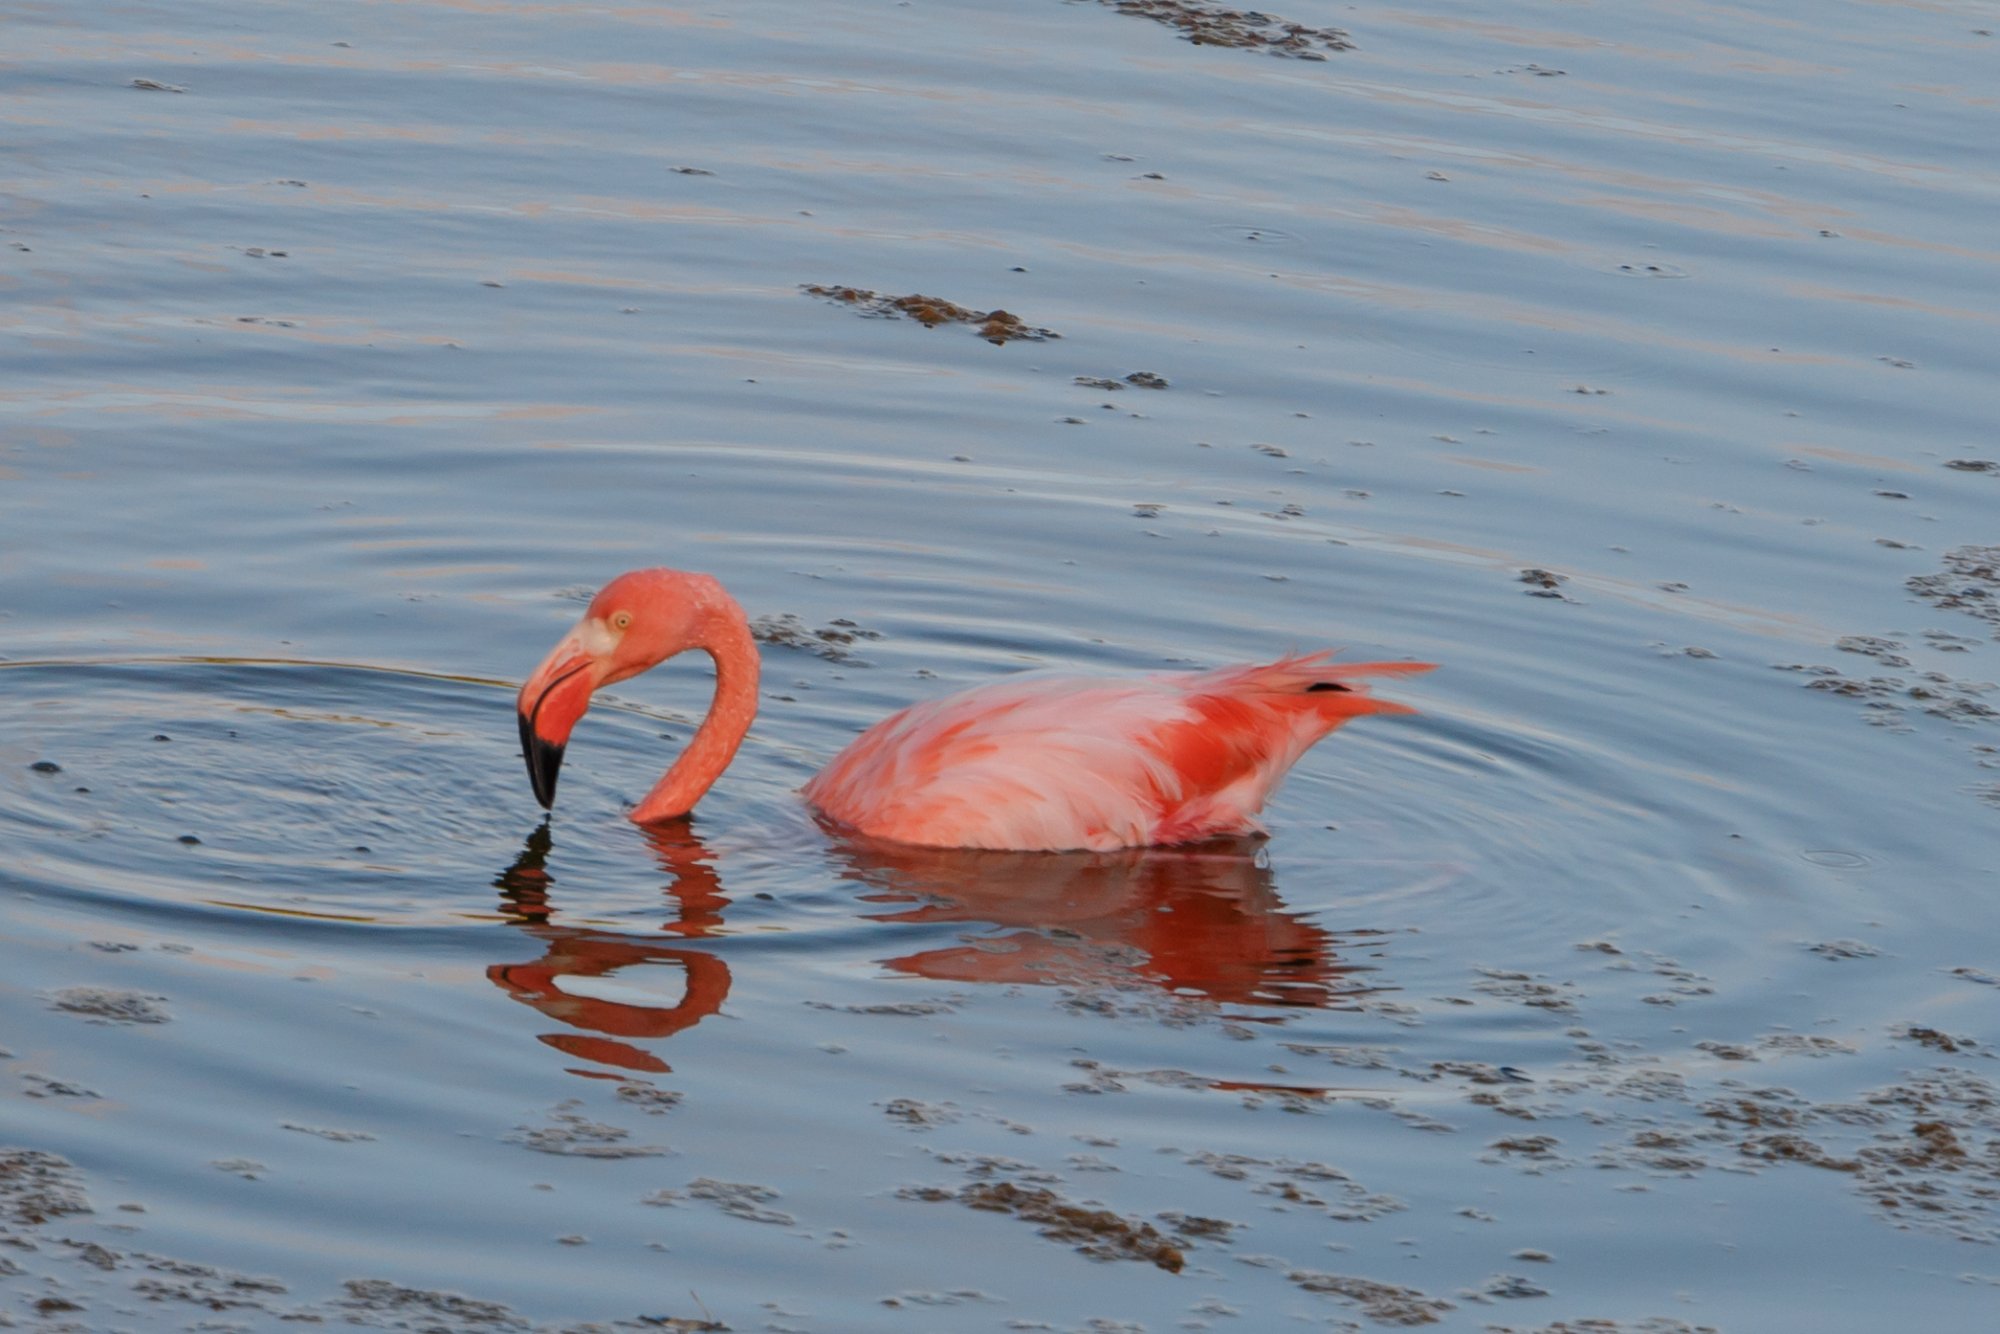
[{"x": 1033, "y": 763}]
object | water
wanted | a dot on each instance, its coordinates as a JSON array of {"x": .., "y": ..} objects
[{"x": 1630, "y": 981}]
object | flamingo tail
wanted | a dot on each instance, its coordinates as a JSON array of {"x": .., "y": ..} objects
[{"x": 1336, "y": 691}]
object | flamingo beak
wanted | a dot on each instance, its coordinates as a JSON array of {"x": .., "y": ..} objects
[
  {"x": 548, "y": 707},
  {"x": 544, "y": 761}
]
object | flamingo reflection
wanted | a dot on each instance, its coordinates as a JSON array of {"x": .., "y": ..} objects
[
  {"x": 572, "y": 982},
  {"x": 1203, "y": 922}
]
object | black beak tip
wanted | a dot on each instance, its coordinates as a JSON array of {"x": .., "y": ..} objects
[{"x": 544, "y": 763}]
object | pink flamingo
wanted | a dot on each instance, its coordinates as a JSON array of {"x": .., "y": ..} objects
[{"x": 1036, "y": 763}]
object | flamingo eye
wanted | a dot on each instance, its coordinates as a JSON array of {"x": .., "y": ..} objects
[{"x": 622, "y": 621}]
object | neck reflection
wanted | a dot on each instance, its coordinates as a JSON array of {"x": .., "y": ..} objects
[{"x": 665, "y": 989}]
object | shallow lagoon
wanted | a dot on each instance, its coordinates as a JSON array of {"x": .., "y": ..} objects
[{"x": 1633, "y": 366}]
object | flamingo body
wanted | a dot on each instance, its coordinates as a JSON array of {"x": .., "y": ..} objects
[
  {"x": 1033, "y": 763},
  {"x": 1080, "y": 762}
]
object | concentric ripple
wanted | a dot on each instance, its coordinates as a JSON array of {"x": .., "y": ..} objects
[{"x": 326, "y": 790}]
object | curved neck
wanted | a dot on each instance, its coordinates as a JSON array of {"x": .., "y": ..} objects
[{"x": 725, "y": 637}]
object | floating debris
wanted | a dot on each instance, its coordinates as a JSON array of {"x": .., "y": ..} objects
[
  {"x": 908, "y": 1008},
  {"x": 416, "y": 1308},
  {"x": 1478, "y": 1072},
  {"x": 327, "y": 1133},
  {"x": 1357, "y": 1058},
  {"x": 833, "y": 641},
  {"x": 1937, "y": 1040},
  {"x": 921, "y": 1115},
  {"x": 103, "y": 1005},
  {"x": 572, "y": 1135},
  {"x": 740, "y": 1199},
  {"x": 1190, "y": 1227},
  {"x": 1884, "y": 651},
  {"x": 1969, "y": 582},
  {"x": 995, "y": 326},
  {"x": 1208, "y": 24},
  {"x": 650, "y": 1100},
  {"x": 203, "y": 1285},
  {"x": 47, "y": 1086},
  {"x": 1386, "y": 1303},
  {"x": 684, "y": 1324},
  {"x": 1098, "y": 1233},
  {"x": 1843, "y": 949},
  {"x": 37, "y": 1186},
  {"x": 1543, "y": 583},
  {"x": 1528, "y": 1146},
  {"x": 1505, "y": 1287}
]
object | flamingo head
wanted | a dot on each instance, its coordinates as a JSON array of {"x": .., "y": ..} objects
[{"x": 635, "y": 622}]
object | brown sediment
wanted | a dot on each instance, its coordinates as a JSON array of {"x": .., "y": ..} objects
[
  {"x": 1936, "y": 1039},
  {"x": 1757, "y": 1110},
  {"x": 1786, "y": 1146},
  {"x": 995, "y": 326},
  {"x": 1098, "y": 1233},
  {"x": 1208, "y": 24},
  {"x": 37, "y": 1186},
  {"x": 1384, "y": 1303}
]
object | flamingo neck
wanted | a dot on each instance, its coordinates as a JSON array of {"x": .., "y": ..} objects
[{"x": 725, "y": 637}]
